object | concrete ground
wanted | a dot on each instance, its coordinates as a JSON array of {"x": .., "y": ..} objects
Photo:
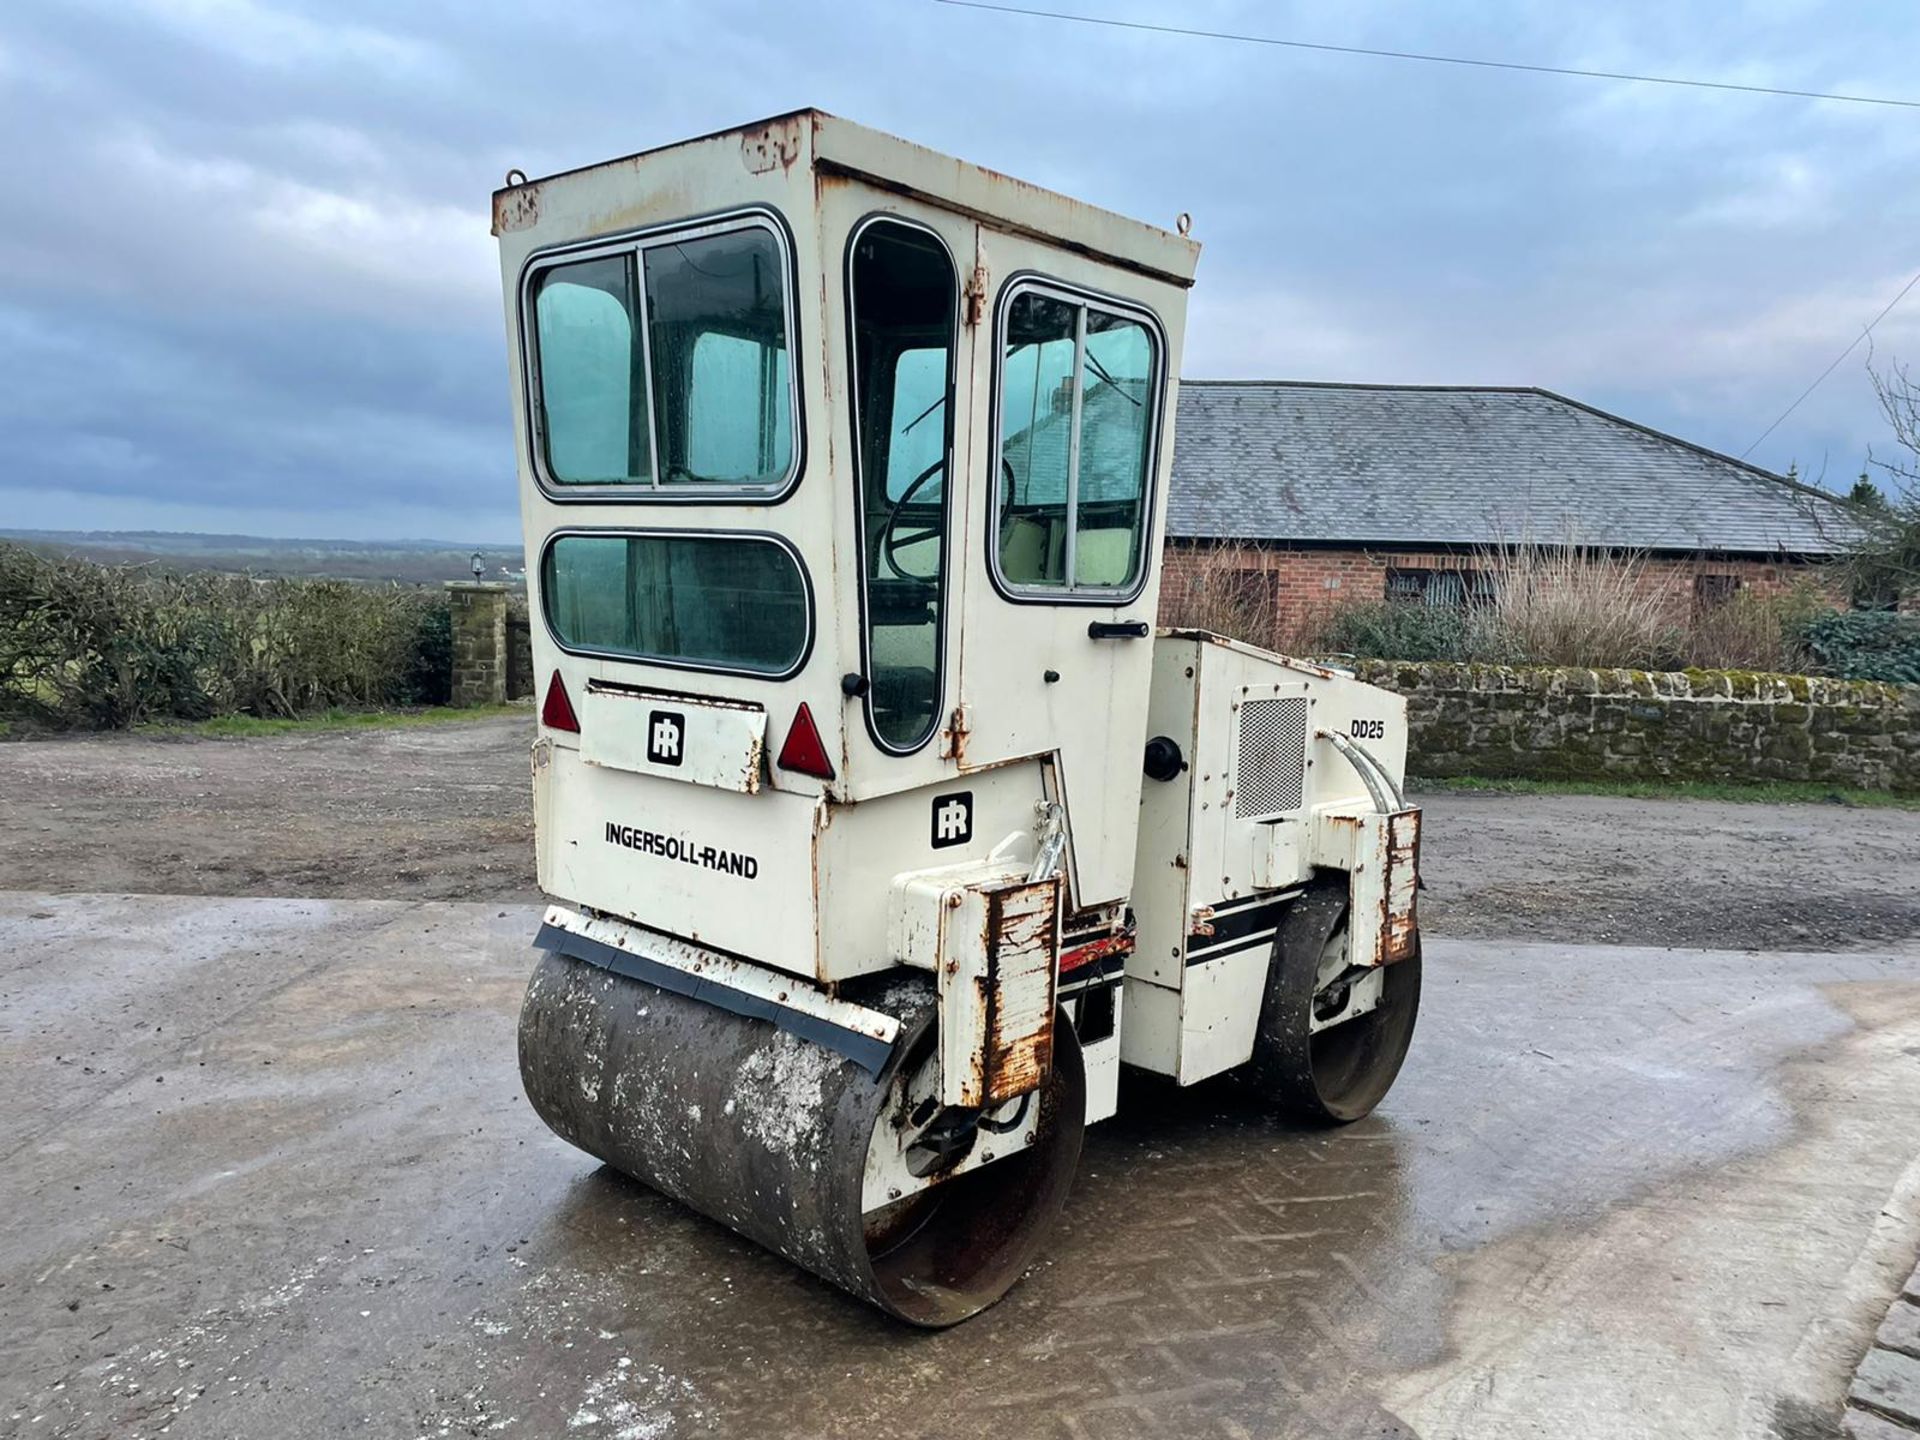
[
  {"x": 442, "y": 812},
  {"x": 266, "y": 1170}
]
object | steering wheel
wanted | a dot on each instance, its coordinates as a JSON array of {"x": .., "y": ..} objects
[{"x": 891, "y": 544}]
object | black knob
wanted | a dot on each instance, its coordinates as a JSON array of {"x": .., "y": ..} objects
[
  {"x": 853, "y": 685},
  {"x": 1164, "y": 760},
  {"x": 1052, "y": 677}
]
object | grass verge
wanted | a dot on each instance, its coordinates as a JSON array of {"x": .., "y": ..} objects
[
  {"x": 1773, "y": 792},
  {"x": 242, "y": 727}
]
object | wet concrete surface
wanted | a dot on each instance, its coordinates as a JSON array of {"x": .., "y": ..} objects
[{"x": 265, "y": 1170}]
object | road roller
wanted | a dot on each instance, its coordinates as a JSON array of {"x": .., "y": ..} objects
[{"x": 881, "y": 826}]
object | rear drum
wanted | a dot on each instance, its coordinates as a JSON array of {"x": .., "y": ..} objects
[{"x": 1338, "y": 1073}]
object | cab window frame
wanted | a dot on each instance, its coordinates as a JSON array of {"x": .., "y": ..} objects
[
  {"x": 633, "y": 657},
  {"x": 949, "y": 485},
  {"x": 632, "y": 246},
  {"x": 1031, "y": 282}
]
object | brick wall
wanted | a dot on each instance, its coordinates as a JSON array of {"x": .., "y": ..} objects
[
  {"x": 1300, "y": 586},
  {"x": 1713, "y": 725}
]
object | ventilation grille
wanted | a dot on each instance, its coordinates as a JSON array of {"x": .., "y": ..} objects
[{"x": 1273, "y": 757}]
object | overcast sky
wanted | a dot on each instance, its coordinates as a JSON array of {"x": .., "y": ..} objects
[{"x": 246, "y": 282}]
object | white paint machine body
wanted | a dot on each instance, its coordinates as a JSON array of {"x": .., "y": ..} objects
[{"x": 882, "y": 826}]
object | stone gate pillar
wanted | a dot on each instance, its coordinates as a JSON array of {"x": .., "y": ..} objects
[{"x": 479, "y": 610}]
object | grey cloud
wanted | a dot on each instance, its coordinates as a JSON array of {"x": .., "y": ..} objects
[{"x": 252, "y": 277}]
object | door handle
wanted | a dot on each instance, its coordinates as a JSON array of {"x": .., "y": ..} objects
[{"x": 1118, "y": 630}]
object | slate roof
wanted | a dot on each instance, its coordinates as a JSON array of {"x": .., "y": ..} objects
[{"x": 1446, "y": 465}]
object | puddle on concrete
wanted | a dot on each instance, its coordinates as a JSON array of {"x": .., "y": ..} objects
[
  {"x": 1574, "y": 1130},
  {"x": 1732, "y": 1299}
]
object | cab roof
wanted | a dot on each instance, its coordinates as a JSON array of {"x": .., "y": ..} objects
[{"x": 829, "y": 146}]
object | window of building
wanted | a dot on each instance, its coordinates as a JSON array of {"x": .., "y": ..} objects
[
  {"x": 1077, "y": 395},
  {"x": 702, "y": 601},
  {"x": 1456, "y": 589},
  {"x": 1710, "y": 592},
  {"x": 666, "y": 364},
  {"x": 1260, "y": 589},
  {"x": 903, "y": 296}
]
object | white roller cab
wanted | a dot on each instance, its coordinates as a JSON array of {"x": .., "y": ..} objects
[{"x": 881, "y": 827}]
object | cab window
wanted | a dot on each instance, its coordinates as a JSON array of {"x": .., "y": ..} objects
[
  {"x": 1077, "y": 396},
  {"x": 903, "y": 296},
  {"x": 666, "y": 366},
  {"x": 696, "y": 600},
  {"x": 593, "y": 393}
]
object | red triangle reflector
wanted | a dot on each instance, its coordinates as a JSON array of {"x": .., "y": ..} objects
[
  {"x": 803, "y": 751},
  {"x": 557, "y": 712}
]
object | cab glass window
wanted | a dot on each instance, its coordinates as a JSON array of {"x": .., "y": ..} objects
[
  {"x": 593, "y": 391},
  {"x": 903, "y": 295},
  {"x": 722, "y": 384},
  {"x": 1077, "y": 397},
  {"x": 719, "y": 602},
  {"x": 667, "y": 365}
]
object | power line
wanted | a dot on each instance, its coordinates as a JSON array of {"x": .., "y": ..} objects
[
  {"x": 1821, "y": 377},
  {"x": 1481, "y": 64},
  {"x": 1430, "y": 59}
]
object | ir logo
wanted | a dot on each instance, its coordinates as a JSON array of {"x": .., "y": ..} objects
[
  {"x": 952, "y": 819},
  {"x": 666, "y": 737}
]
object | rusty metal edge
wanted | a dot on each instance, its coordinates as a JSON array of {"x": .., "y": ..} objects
[
  {"x": 1400, "y": 934},
  {"x": 999, "y": 223},
  {"x": 763, "y": 124}
]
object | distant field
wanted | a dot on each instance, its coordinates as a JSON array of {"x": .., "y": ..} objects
[{"x": 414, "y": 562}]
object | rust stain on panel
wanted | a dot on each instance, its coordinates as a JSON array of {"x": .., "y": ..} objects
[
  {"x": 1080, "y": 956},
  {"x": 517, "y": 208},
  {"x": 1399, "y": 929},
  {"x": 1023, "y": 943},
  {"x": 979, "y": 287},
  {"x": 1200, "y": 923},
  {"x": 774, "y": 146},
  {"x": 953, "y": 740}
]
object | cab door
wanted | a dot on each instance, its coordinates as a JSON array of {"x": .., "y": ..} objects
[
  {"x": 1072, "y": 388},
  {"x": 904, "y": 372}
]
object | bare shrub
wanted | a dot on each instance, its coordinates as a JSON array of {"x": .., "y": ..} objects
[
  {"x": 1211, "y": 587},
  {"x": 1882, "y": 567},
  {"x": 1750, "y": 631},
  {"x": 1573, "y": 606},
  {"x": 1579, "y": 605},
  {"x": 1552, "y": 604}
]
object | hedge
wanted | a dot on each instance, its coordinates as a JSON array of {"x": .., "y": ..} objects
[
  {"x": 1866, "y": 645},
  {"x": 106, "y": 646}
]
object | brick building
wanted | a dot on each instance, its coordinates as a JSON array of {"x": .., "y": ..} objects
[{"x": 1323, "y": 495}]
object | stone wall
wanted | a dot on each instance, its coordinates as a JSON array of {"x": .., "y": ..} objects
[
  {"x": 1714, "y": 725},
  {"x": 519, "y": 655},
  {"x": 479, "y": 610}
]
